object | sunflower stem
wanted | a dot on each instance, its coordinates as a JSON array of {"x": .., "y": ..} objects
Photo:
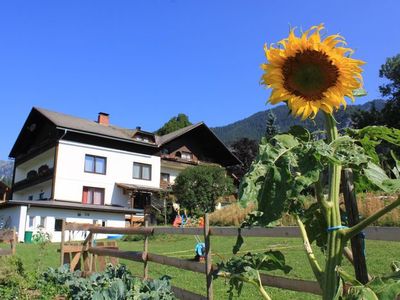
[{"x": 335, "y": 237}]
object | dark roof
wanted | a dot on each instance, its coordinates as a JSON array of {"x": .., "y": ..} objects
[
  {"x": 85, "y": 126},
  {"x": 71, "y": 205},
  {"x": 80, "y": 124},
  {"x": 173, "y": 135},
  {"x": 135, "y": 187}
]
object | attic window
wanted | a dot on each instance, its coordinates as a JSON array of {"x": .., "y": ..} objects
[
  {"x": 187, "y": 156},
  {"x": 142, "y": 138}
]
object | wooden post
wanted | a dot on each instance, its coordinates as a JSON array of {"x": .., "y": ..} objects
[
  {"x": 357, "y": 242},
  {"x": 13, "y": 242},
  {"x": 165, "y": 211},
  {"x": 87, "y": 257},
  {"x": 145, "y": 250},
  {"x": 62, "y": 243},
  {"x": 208, "y": 257}
]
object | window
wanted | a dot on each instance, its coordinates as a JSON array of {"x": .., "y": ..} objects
[
  {"x": 95, "y": 164},
  {"x": 165, "y": 177},
  {"x": 31, "y": 221},
  {"x": 186, "y": 155},
  {"x": 42, "y": 222},
  {"x": 141, "y": 171},
  {"x": 58, "y": 225},
  {"x": 92, "y": 195}
]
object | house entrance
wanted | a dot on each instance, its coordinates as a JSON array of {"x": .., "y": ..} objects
[{"x": 142, "y": 200}]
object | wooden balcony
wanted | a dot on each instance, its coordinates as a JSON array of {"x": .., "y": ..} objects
[{"x": 34, "y": 179}]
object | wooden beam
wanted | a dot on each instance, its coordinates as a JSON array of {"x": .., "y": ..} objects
[
  {"x": 62, "y": 242},
  {"x": 286, "y": 232},
  {"x": 7, "y": 235},
  {"x": 208, "y": 265},
  {"x": 5, "y": 252},
  {"x": 357, "y": 242},
  {"x": 130, "y": 255},
  {"x": 186, "y": 295},
  {"x": 122, "y": 230},
  {"x": 177, "y": 262},
  {"x": 78, "y": 226},
  {"x": 382, "y": 233},
  {"x": 297, "y": 285},
  {"x": 145, "y": 251}
]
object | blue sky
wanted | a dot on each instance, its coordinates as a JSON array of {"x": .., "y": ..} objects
[{"x": 145, "y": 61}]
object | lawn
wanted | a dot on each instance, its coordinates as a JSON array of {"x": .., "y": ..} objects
[{"x": 379, "y": 256}]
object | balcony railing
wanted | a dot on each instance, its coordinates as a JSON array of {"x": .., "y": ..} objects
[{"x": 34, "y": 178}]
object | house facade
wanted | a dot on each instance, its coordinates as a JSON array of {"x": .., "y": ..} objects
[{"x": 78, "y": 170}]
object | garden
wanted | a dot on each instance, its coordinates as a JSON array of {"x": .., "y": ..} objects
[{"x": 301, "y": 177}]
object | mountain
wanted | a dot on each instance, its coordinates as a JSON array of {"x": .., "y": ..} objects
[
  {"x": 6, "y": 171},
  {"x": 253, "y": 127}
]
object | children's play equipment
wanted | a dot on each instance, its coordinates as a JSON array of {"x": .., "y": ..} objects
[{"x": 180, "y": 221}]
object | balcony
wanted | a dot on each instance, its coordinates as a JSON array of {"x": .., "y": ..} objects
[{"x": 34, "y": 177}]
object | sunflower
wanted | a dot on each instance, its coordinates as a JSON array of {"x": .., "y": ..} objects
[{"x": 310, "y": 74}]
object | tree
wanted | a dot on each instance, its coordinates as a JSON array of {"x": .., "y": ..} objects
[
  {"x": 174, "y": 124},
  {"x": 272, "y": 128},
  {"x": 246, "y": 150},
  {"x": 391, "y": 71},
  {"x": 197, "y": 188},
  {"x": 363, "y": 118}
]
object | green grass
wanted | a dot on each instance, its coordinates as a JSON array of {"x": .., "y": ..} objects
[{"x": 379, "y": 256}]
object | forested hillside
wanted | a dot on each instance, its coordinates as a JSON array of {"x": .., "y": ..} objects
[{"x": 254, "y": 126}]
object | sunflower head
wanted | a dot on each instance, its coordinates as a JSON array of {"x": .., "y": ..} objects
[{"x": 310, "y": 73}]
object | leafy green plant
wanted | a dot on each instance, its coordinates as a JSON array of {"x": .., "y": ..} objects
[
  {"x": 42, "y": 239},
  {"x": 114, "y": 283},
  {"x": 247, "y": 268},
  {"x": 290, "y": 163},
  {"x": 12, "y": 278}
]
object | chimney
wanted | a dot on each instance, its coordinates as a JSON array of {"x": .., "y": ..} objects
[{"x": 103, "y": 118}]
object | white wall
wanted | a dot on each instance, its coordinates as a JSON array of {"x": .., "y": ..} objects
[
  {"x": 70, "y": 175},
  {"x": 12, "y": 213},
  {"x": 84, "y": 217},
  {"x": 45, "y": 158},
  {"x": 17, "y": 216},
  {"x": 34, "y": 191},
  {"x": 173, "y": 173}
]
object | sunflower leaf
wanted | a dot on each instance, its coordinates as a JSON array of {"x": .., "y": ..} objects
[
  {"x": 377, "y": 176},
  {"x": 359, "y": 92}
]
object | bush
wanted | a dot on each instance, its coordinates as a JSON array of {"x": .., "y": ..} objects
[
  {"x": 198, "y": 188},
  {"x": 13, "y": 280}
]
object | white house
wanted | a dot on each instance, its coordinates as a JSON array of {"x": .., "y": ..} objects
[{"x": 73, "y": 169}]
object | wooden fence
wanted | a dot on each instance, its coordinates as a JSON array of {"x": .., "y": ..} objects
[
  {"x": 8, "y": 236},
  {"x": 88, "y": 251}
]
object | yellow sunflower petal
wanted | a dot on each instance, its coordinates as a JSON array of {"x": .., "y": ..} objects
[{"x": 333, "y": 75}]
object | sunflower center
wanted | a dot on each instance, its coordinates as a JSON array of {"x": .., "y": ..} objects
[{"x": 309, "y": 74}]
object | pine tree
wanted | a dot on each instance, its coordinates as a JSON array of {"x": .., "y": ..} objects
[{"x": 272, "y": 128}]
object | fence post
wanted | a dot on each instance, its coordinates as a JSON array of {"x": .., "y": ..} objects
[
  {"x": 62, "y": 243},
  {"x": 207, "y": 242},
  {"x": 357, "y": 242},
  {"x": 145, "y": 249},
  {"x": 13, "y": 243}
]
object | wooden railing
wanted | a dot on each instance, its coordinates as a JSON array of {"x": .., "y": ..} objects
[
  {"x": 88, "y": 251},
  {"x": 8, "y": 236}
]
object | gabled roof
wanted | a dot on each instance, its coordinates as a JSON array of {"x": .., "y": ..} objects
[
  {"x": 80, "y": 124},
  {"x": 85, "y": 126},
  {"x": 161, "y": 140}
]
